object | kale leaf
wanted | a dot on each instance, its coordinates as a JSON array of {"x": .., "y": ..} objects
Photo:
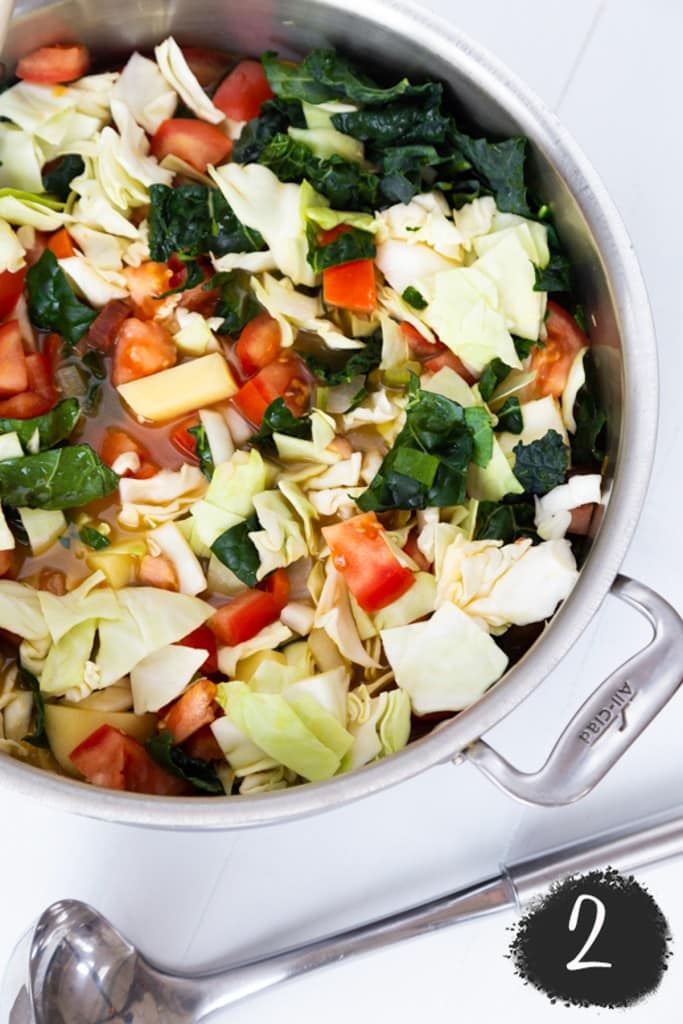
[
  {"x": 52, "y": 304},
  {"x": 93, "y": 538},
  {"x": 506, "y": 521},
  {"x": 555, "y": 277},
  {"x": 397, "y": 123},
  {"x": 58, "y": 479},
  {"x": 57, "y": 181},
  {"x": 350, "y": 245},
  {"x": 589, "y": 440},
  {"x": 275, "y": 118},
  {"x": 325, "y": 75},
  {"x": 202, "y": 449},
  {"x": 428, "y": 463},
  {"x": 278, "y": 419},
  {"x": 237, "y": 304},
  {"x": 498, "y": 167},
  {"x": 510, "y": 416},
  {"x": 542, "y": 464},
  {"x": 493, "y": 374},
  {"x": 347, "y": 185},
  {"x": 53, "y": 426},
  {"x": 38, "y": 738},
  {"x": 362, "y": 361},
  {"x": 193, "y": 220},
  {"x": 199, "y": 773},
  {"x": 235, "y": 549}
]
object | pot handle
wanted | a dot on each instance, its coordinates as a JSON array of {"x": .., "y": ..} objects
[{"x": 608, "y": 722}]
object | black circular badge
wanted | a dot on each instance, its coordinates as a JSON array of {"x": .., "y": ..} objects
[{"x": 597, "y": 939}]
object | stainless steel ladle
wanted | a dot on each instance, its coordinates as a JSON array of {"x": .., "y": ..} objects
[{"x": 74, "y": 967}]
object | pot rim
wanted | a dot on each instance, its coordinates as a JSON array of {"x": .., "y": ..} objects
[{"x": 632, "y": 472}]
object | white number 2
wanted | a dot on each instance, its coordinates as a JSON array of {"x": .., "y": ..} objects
[{"x": 577, "y": 964}]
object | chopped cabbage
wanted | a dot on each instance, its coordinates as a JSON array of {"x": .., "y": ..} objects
[
  {"x": 425, "y": 220},
  {"x": 65, "y": 666},
  {"x": 267, "y": 639},
  {"x": 505, "y": 259},
  {"x": 163, "y": 675},
  {"x": 406, "y": 264},
  {"x": 181, "y": 78},
  {"x": 143, "y": 89},
  {"x": 159, "y": 498},
  {"x": 496, "y": 479},
  {"x": 20, "y": 610},
  {"x": 20, "y": 160},
  {"x": 168, "y": 540},
  {"x": 240, "y": 753},
  {"x": 417, "y": 602},
  {"x": 280, "y": 541},
  {"x": 379, "y": 725},
  {"x": 553, "y": 510},
  {"x": 333, "y": 615},
  {"x": 575, "y": 381},
  {"x": 327, "y": 142},
  {"x": 11, "y": 249},
  {"x": 418, "y": 654},
  {"x": 474, "y": 219},
  {"x": 326, "y": 219}
]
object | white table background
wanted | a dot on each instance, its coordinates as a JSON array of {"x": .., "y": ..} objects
[{"x": 612, "y": 71}]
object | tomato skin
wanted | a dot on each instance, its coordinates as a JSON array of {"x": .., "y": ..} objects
[
  {"x": 6, "y": 558},
  {"x": 183, "y": 440},
  {"x": 244, "y": 617},
  {"x": 203, "y": 639},
  {"x": 107, "y": 324},
  {"x": 25, "y": 406},
  {"x": 203, "y": 745},
  {"x": 143, "y": 347},
  {"x": 283, "y": 378},
  {"x": 145, "y": 284},
  {"x": 453, "y": 362},
  {"x": 208, "y": 66},
  {"x": 11, "y": 287},
  {"x": 118, "y": 442},
  {"x": 351, "y": 286},
  {"x": 277, "y": 585},
  {"x": 13, "y": 368},
  {"x": 242, "y": 92},
  {"x": 195, "y": 708},
  {"x": 413, "y": 551},
  {"x": 553, "y": 362},
  {"x": 62, "y": 62},
  {"x": 372, "y": 572},
  {"x": 259, "y": 343},
  {"x": 197, "y": 143},
  {"x": 580, "y": 523},
  {"x": 114, "y": 760},
  {"x": 420, "y": 346},
  {"x": 61, "y": 245}
]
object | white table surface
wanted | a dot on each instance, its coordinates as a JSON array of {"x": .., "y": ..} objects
[{"x": 612, "y": 71}]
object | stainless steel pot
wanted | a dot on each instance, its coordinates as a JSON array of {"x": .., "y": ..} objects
[{"x": 615, "y": 300}]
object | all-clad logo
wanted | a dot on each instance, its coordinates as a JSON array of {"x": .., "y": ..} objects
[{"x": 599, "y": 723}]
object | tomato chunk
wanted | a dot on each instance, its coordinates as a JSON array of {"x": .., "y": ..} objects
[
  {"x": 580, "y": 523},
  {"x": 259, "y": 343},
  {"x": 110, "y": 758},
  {"x": 197, "y": 143},
  {"x": 13, "y": 369},
  {"x": 553, "y": 362},
  {"x": 244, "y": 617},
  {"x": 118, "y": 442},
  {"x": 351, "y": 286},
  {"x": 283, "y": 378},
  {"x": 242, "y": 92},
  {"x": 190, "y": 712},
  {"x": 146, "y": 284},
  {"x": 372, "y": 571},
  {"x": 277, "y": 585},
  {"x": 183, "y": 440},
  {"x": 6, "y": 558},
  {"x": 24, "y": 406},
  {"x": 11, "y": 287},
  {"x": 203, "y": 639},
  {"x": 419, "y": 345},
  {"x": 142, "y": 348},
  {"x": 453, "y": 362},
  {"x": 203, "y": 745},
  {"x": 158, "y": 571},
  {"x": 62, "y": 62},
  {"x": 61, "y": 245}
]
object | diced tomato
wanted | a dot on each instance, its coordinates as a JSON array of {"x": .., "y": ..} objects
[
  {"x": 142, "y": 348},
  {"x": 107, "y": 324},
  {"x": 40, "y": 375},
  {"x": 208, "y": 66},
  {"x": 5, "y": 563},
  {"x": 61, "y": 245},
  {"x": 283, "y": 378},
  {"x": 145, "y": 284},
  {"x": 196, "y": 707},
  {"x": 553, "y": 362},
  {"x": 183, "y": 440},
  {"x": 13, "y": 369},
  {"x": 419, "y": 345},
  {"x": 242, "y": 92},
  {"x": 449, "y": 359},
  {"x": 197, "y": 143},
  {"x": 110, "y": 758},
  {"x": 332, "y": 234},
  {"x": 53, "y": 347},
  {"x": 203, "y": 639},
  {"x": 118, "y": 442},
  {"x": 25, "y": 406},
  {"x": 52, "y": 580},
  {"x": 158, "y": 571},
  {"x": 372, "y": 571},
  {"x": 203, "y": 745},
  {"x": 259, "y": 343},
  {"x": 581, "y": 519},
  {"x": 62, "y": 62},
  {"x": 11, "y": 287},
  {"x": 277, "y": 585},
  {"x": 413, "y": 551},
  {"x": 244, "y": 617},
  {"x": 351, "y": 286}
]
